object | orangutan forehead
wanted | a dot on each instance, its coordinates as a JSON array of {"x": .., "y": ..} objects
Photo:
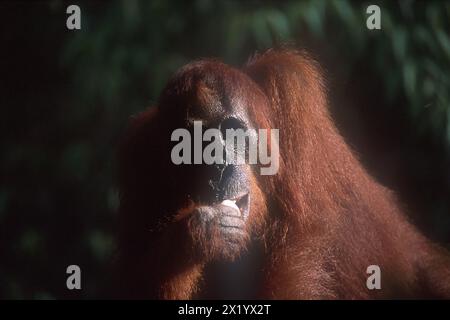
[
  {"x": 210, "y": 91},
  {"x": 206, "y": 102},
  {"x": 211, "y": 102}
]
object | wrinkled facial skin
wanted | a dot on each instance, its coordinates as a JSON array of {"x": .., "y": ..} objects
[{"x": 215, "y": 200}]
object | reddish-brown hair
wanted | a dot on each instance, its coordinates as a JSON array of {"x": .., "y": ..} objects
[{"x": 322, "y": 219}]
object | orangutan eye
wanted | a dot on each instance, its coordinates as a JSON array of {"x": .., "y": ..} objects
[{"x": 231, "y": 123}]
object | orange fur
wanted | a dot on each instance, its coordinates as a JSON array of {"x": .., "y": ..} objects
[{"x": 322, "y": 219}]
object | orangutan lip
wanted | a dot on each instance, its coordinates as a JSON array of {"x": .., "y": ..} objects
[
  {"x": 239, "y": 203},
  {"x": 238, "y": 200},
  {"x": 242, "y": 202},
  {"x": 230, "y": 203}
]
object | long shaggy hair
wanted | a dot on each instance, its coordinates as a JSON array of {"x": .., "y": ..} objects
[{"x": 322, "y": 219}]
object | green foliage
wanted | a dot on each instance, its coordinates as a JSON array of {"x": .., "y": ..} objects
[{"x": 127, "y": 52}]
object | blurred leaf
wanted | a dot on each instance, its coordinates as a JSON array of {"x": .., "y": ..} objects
[
  {"x": 75, "y": 161},
  {"x": 313, "y": 17},
  {"x": 101, "y": 245},
  {"x": 31, "y": 243},
  {"x": 409, "y": 78},
  {"x": 444, "y": 41},
  {"x": 278, "y": 23},
  {"x": 260, "y": 29},
  {"x": 113, "y": 200},
  {"x": 399, "y": 43}
]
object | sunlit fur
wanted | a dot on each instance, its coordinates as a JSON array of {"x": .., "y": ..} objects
[{"x": 322, "y": 219}]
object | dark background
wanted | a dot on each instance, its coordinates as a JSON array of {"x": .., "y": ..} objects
[{"x": 65, "y": 97}]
